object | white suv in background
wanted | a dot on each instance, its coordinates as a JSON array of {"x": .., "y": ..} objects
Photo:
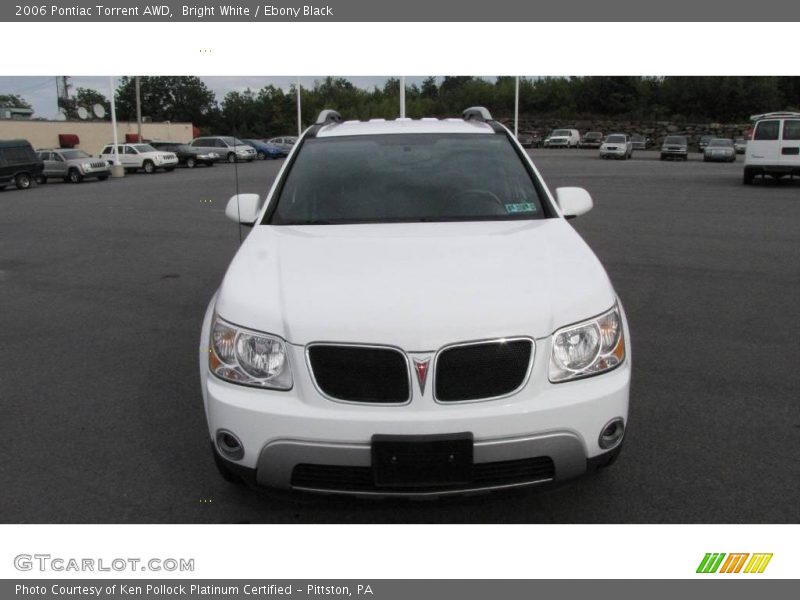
[
  {"x": 140, "y": 156},
  {"x": 412, "y": 314},
  {"x": 774, "y": 146}
]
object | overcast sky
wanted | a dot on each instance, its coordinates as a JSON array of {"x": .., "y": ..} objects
[{"x": 41, "y": 91}]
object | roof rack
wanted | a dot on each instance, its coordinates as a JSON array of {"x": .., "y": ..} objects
[
  {"x": 477, "y": 113},
  {"x": 774, "y": 115},
  {"x": 328, "y": 116}
]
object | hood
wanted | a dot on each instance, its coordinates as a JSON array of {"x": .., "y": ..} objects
[{"x": 416, "y": 286}]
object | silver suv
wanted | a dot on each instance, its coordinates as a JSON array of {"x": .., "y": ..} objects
[
  {"x": 228, "y": 147},
  {"x": 71, "y": 165}
]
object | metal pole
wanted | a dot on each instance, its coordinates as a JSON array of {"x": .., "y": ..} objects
[
  {"x": 299, "y": 111},
  {"x": 116, "y": 170},
  {"x": 138, "y": 108},
  {"x": 516, "y": 108},
  {"x": 402, "y": 97}
]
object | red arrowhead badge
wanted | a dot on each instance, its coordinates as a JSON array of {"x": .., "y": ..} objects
[{"x": 421, "y": 366}]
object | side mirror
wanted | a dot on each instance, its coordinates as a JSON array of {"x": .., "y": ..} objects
[
  {"x": 573, "y": 201},
  {"x": 243, "y": 208}
]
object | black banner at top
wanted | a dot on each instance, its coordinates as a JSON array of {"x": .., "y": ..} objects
[{"x": 401, "y": 11}]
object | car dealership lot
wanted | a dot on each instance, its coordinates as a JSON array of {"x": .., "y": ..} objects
[{"x": 104, "y": 284}]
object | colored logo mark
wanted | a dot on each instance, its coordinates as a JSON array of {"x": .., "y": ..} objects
[{"x": 719, "y": 562}]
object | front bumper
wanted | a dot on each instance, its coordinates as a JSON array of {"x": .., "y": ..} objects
[
  {"x": 613, "y": 152},
  {"x": 299, "y": 439}
]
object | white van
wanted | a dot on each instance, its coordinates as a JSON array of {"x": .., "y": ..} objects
[
  {"x": 773, "y": 147},
  {"x": 563, "y": 138}
]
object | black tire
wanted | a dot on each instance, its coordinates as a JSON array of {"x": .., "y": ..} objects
[
  {"x": 191, "y": 163},
  {"x": 705, "y": 159},
  {"x": 169, "y": 169},
  {"x": 74, "y": 176},
  {"x": 210, "y": 164},
  {"x": 748, "y": 177},
  {"x": 149, "y": 167},
  {"x": 41, "y": 179},
  {"x": 261, "y": 156},
  {"x": 102, "y": 177},
  {"x": 663, "y": 157},
  {"x": 23, "y": 181},
  {"x": 231, "y": 157},
  {"x": 2, "y": 187},
  {"x": 225, "y": 471}
]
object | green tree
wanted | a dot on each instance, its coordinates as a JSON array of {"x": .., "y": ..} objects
[
  {"x": 173, "y": 98},
  {"x": 13, "y": 101}
]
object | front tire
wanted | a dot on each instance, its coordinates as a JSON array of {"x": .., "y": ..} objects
[
  {"x": 74, "y": 176},
  {"x": 231, "y": 157},
  {"x": 102, "y": 177},
  {"x": 23, "y": 181},
  {"x": 191, "y": 163},
  {"x": 149, "y": 167},
  {"x": 261, "y": 156},
  {"x": 41, "y": 179}
]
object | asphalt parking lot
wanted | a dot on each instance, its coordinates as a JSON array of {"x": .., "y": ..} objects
[{"x": 103, "y": 286}]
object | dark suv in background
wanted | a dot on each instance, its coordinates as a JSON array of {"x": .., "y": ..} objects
[
  {"x": 19, "y": 164},
  {"x": 188, "y": 156}
]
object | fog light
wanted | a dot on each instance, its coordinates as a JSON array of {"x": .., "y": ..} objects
[
  {"x": 229, "y": 445},
  {"x": 611, "y": 434}
]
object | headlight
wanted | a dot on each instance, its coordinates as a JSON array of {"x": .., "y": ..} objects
[
  {"x": 588, "y": 348},
  {"x": 248, "y": 357},
  {"x": 86, "y": 167}
]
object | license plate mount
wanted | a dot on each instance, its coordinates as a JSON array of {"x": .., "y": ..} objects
[{"x": 422, "y": 461}]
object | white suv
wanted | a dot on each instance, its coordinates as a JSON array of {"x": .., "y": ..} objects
[
  {"x": 140, "y": 156},
  {"x": 412, "y": 314},
  {"x": 773, "y": 147}
]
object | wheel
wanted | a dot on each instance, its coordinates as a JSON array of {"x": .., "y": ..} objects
[
  {"x": 705, "y": 159},
  {"x": 74, "y": 176},
  {"x": 733, "y": 158},
  {"x": 685, "y": 158},
  {"x": 2, "y": 187},
  {"x": 149, "y": 167},
  {"x": 169, "y": 169},
  {"x": 102, "y": 177},
  {"x": 41, "y": 179},
  {"x": 224, "y": 470},
  {"x": 210, "y": 164},
  {"x": 191, "y": 163},
  {"x": 663, "y": 157},
  {"x": 22, "y": 181},
  {"x": 261, "y": 156},
  {"x": 748, "y": 176},
  {"x": 231, "y": 157}
]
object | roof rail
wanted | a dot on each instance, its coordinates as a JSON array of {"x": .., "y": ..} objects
[
  {"x": 477, "y": 113},
  {"x": 774, "y": 115},
  {"x": 328, "y": 116}
]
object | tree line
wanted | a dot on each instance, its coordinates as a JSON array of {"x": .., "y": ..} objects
[{"x": 272, "y": 110}]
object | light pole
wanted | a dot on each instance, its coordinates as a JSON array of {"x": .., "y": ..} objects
[
  {"x": 516, "y": 107},
  {"x": 402, "y": 97},
  {"x": 116, "y": 168},
  {"x": 299, "y": 111}
]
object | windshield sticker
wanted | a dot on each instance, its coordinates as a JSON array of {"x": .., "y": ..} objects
[{"x": 521, "y": 207}]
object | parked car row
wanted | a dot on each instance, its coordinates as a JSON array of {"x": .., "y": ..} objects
[{"x": 21, "y": 165}]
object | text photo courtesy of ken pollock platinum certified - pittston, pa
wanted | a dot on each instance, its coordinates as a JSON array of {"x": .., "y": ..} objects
[{"x": 555, "y": 299}]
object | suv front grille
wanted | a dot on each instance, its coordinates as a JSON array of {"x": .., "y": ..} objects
[
  {"x": 368, "y": 374},
  {"x": 482, "y": 370},
  {"x": 484, "y": 475}
]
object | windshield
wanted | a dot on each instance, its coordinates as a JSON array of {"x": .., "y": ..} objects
[
  {"x": 720, "y": 142},
  {"x": 232, "y": 141},
  {"x": 561, "y": 132},
  {"x": 407, "y": 178},
  {"x": 72, "y": 154},
  {"x": 675, "y": 140},
  {"x": 144, "y": 148},
  {"x": 593, "y": 135},
  {"x": 616, "y": 139}
]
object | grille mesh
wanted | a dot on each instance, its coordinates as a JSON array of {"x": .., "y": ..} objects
[
  {"x": 484, "y": 475},
  {"x": 360, "y": 374},
  {"x": 479, "y": 371}
]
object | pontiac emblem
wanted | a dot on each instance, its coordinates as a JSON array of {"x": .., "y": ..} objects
[{"x": 421, "y": 366}]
